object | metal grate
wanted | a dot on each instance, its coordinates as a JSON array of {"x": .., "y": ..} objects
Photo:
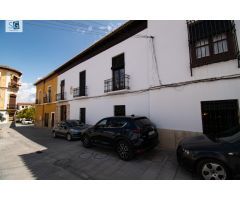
[
  {"x": 61, "y": 96},
  {"x": 79, "y": 92},
  {"x": 117, "y": 84},
  {"x": 219, "y": 117},
  {"x": 212, "y": 41}
]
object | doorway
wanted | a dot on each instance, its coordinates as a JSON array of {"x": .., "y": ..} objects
[
  {"x": 220, "y": 118},
  {"x": 52, "y": 119}
]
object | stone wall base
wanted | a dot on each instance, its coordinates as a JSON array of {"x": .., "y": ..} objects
[{"x": 169, "y": 139}]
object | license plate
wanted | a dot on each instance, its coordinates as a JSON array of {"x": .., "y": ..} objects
[{"x": 151, "y": 133}]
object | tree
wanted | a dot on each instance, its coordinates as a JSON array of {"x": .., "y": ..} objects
[{"x": 27, "y": 113}]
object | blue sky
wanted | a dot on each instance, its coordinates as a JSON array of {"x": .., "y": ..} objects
[{"x": 45, "y": 45}]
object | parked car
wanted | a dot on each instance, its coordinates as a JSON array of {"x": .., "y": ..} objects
[
  {"x": 127, "y": 135},
  {"x": 213, "y": 158},
  {"x": 70, "y": 129},
  {"x": 27, "y": 121}
]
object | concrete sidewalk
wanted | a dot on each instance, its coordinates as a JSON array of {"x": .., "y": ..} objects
[{"x": 31, "y": 153}]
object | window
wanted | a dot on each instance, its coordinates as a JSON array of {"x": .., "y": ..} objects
[
  {"x": 118, "y": 72},
  {"x": 220, "y": 44},
  {"x": 62, "y": 89},
  {"x": 119, "y": 110},
  {"x": 102, "y": 123},
  {"x": 211, "y": 41},
  {"x": 219, "y": 117},
  {"x": 117, "y": 123},
  {"x": 49, "y": 94},
  {"x": 40, "y": 97},
  {"x": 202, "y": 49},
  {"x": 82, "y": 114}
]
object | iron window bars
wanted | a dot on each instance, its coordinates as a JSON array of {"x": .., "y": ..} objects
[{"x": 212, "y": 41}]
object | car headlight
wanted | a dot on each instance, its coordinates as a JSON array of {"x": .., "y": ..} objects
[{"x": 186, "y": 152}]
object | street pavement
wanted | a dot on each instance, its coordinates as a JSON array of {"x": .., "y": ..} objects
[{"x": 27, "y": 152}]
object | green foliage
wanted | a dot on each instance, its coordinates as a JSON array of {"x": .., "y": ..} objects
[
  {"x": 27, "y": 113},
  {"x": 2, "y": 118}
]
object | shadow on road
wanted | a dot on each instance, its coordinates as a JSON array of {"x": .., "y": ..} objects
[{"x": 70, "y": 160}]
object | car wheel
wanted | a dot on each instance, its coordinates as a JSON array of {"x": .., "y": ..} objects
[
  {"x": 210, "y": 169},
  {"x": 86, "y": 141},
  {"x": 69, "y": 137},
  {"x": 54, "y": 134},
  {"x": 124, "y": 150}
]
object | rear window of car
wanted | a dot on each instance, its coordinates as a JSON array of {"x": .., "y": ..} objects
[{"x": 143, "y": 121}]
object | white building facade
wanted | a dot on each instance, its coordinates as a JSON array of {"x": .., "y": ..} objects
[{"x": 183, "y": 76}]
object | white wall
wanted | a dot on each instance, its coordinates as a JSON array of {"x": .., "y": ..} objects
[
  {"x": 169, "y": 108},
  {"x": 180, "y": 108},
  {"x": 98, "y": 68},
  {"x": 171, "y": 41}
]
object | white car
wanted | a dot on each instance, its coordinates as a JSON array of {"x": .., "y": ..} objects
[{"x": 27, "y": 122}]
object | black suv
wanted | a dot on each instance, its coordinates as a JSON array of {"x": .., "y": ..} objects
[{"x": 126, "y": 134}]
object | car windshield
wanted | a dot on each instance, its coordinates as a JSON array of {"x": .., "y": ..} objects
[
  {"x": 143, "y": 121},
  {"x": 74, "y": 123},
  {"x": 234, "y": 137}
]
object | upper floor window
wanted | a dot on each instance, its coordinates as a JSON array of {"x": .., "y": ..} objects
[
  {"x": 118, "y": 72},
  {"x": 211, "y": 41},
  {"x": 49, "y": 94}
]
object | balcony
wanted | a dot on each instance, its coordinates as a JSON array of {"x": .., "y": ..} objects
[
  {"x": 61, "y": 96},
  {"x": 13, "y": 86},
  {"x": 47, "y": 99},
  {"x": 79, "y": 92},
  {"x": 11, "y": 106},
  {"x": 120, "y": 83},
  {"x": 38, "y": 101}
]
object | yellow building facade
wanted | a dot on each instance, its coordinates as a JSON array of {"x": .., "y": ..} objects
[
  {"x": 9, "y": 86},
  {"x": 46, "y": 90}
]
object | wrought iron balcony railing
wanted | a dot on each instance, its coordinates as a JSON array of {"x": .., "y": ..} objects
[
  {"x": 115, "y": 84},
  {"x": 14, "y": 86},
  {"x": 47, "y": 99},
  {"x": 38, "y": 101},
  {"x": 79, "y": 92},
  {"x": 61, "y": 96},
  {"x": 12, "y": 106}
]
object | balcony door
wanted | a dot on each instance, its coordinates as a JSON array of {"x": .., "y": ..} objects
[
  {"x": 82, "y": 83},
  {"x": 12, "y": 101},
  {"x": 62, "y": 89},
  {"x": 118, "y": 72}
]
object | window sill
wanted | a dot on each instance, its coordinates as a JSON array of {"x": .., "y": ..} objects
[
  {"x": 123, "y": 91},
  {"x": 212, "y": 61},
  {"x": 80, "y": 97}
]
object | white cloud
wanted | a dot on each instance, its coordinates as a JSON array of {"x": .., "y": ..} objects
[
  {"x": 110, "y": 27},
  {"x": 26, "y": 93}
]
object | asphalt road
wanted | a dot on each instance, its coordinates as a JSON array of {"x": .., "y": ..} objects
[{"x": 27, "y": 152}]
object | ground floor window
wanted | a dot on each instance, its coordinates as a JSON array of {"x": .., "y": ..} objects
[
  {"x": 219, "y": 117},
  {"x": 119, "y": 110},
  {"x": 82, "y": 115}
]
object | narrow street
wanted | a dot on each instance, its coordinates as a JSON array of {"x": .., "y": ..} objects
[{"x": 31, "y": 153}]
